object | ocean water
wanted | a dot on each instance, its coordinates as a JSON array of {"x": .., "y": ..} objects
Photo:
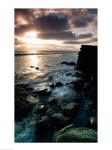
[
  {"x": 50, "y": 71},
  {"x": 49, "y": 67}
]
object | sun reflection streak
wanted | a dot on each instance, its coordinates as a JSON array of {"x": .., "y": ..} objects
[{"x": 34, "y": 59}]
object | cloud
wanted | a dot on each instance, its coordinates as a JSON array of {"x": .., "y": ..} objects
[
  {"x": 62, "y": 35},
  {"x": 88, "y": 41},
  {"x": 23, "y": 16},
  {"x": 51, "y": 22},
  {"x": 21, "y": 29},
  {"x": 84, "y": 35},
  {"x": 82, "y": 21}
]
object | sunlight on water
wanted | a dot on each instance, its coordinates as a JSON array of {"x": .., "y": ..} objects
[{"x": 34, "y": 59}]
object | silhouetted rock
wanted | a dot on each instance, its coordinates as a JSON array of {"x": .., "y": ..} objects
[
  {"x": 72, "y": 134},
  {"x": 37, "y": 68},
  {"x": 68, "y": 63},
  {"x": 59, "y": 120},
  {"x": 43, "y": 92},
  {"x": 22, "y": 106},
  {"x": 58, "y": 84},
  {"x": 68, "y": 74},
  {"x": 42, "y": 125},
  {"x": 78, "y": 84},
  {"x": 52, "y": 85},
  {"x": 32, "y": 66},
  {"x": 87, "y": 60},
  {"x": 93, "y": 122}
]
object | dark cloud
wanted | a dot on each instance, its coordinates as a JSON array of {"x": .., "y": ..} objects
[
  {"x": 92, "y": 40},
  {"x": 84, "y": 35},
  {"x": 51, "y": 22},
  {"x": 82, "y": 21},
  {"x": 92, "y": 11},
  {"x": 21, "y": 29},
  {"x": 62, "y": 35}
]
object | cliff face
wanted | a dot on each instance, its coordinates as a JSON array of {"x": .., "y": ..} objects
[{"x": 87, "y": 60}]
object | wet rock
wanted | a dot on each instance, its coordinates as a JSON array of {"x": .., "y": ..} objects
[
  {"x": 40, "y": 109},
  {"x": 79, "y": 74},
  {"x": 72, "y": 63},
  {"x": 43, "y": 130},
  {"x": 68, "y": 74},
  {"x": 22, "y": 109},
  {"x": 42, "y": 125},
  {"x": 64, "y": 62},
  {"x": 52, "y": 101},
  {"x": 50, "y": 112},
  {"x": 37, "y": 68},
  {"x": 58, "y": 84},
  {"x": 68, "y": 63},
  {"x": 93, "y": 121},
  {"x": 59, "y": 120},
  {"x": 52, "y": 85},
  {"x": 87, "y": 60},
  {"x": 70, "y": 109},
  {"x": 43, "y": 92},
  {"x": 32, "y": 66},
  {"x": 78, "y": 84},
  {"x": 72, "y": 134},
  {"x": 22, "y": 106}
]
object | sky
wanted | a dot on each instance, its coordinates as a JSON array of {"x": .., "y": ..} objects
[{"x": 54, "y": 29}]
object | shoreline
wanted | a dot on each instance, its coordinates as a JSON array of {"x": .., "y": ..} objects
[{"x": 53, "y": 112}]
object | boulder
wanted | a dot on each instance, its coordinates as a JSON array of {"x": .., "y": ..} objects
[
  {"x": 59, "y": 120},
  {"x": 68, "y": 74},
  {"x": 22, "y": 106},
  {"x": 22, "y": 109},
  {"x": 43, "y": 92},
  {"x": 72, "y": 63},
  {"x": 78, "y": 84},
  {"x": 37, "y": 68},
  {"x": 70, "y": 109},
  {"x": 72, "y": 134},
  {"x": 43, "y": 125},
  {"x": 93, "y": 122},
  {"x": 68, "y": 63},
  {"x": 51, "y": 85},
  {"x": 87, "y": 60},
  {"x": 32, "y": 66},
  {"x": 58, "y": 84}
]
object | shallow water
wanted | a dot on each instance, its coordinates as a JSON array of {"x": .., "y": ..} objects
[{"x": 50, "y": 70}]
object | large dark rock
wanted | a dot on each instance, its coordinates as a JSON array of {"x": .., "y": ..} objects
[
  {"x": 22, "y": 106},
  {"x": 72, "y": 134},
  {"x": 58, "y": 84},
  {"x": 87, "y": 60},
  {"x": 42, "y": 125},
  {"x": 43, "y": 92},
  {"x": 59, "y": 120}
]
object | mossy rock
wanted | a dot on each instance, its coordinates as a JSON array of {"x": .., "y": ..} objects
[{"x": 72, "y": 134}]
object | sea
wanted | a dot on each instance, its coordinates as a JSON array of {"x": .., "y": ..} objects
[{"x": 38, "y": 70}]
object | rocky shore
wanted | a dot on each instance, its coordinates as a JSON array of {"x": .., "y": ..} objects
[{"x": 61, "y": 116}]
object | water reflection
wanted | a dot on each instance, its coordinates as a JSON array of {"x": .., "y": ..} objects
[{"x": 35, "y": 60}]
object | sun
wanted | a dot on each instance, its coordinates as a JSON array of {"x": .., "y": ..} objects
[{"x": 30, "y": 34}]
